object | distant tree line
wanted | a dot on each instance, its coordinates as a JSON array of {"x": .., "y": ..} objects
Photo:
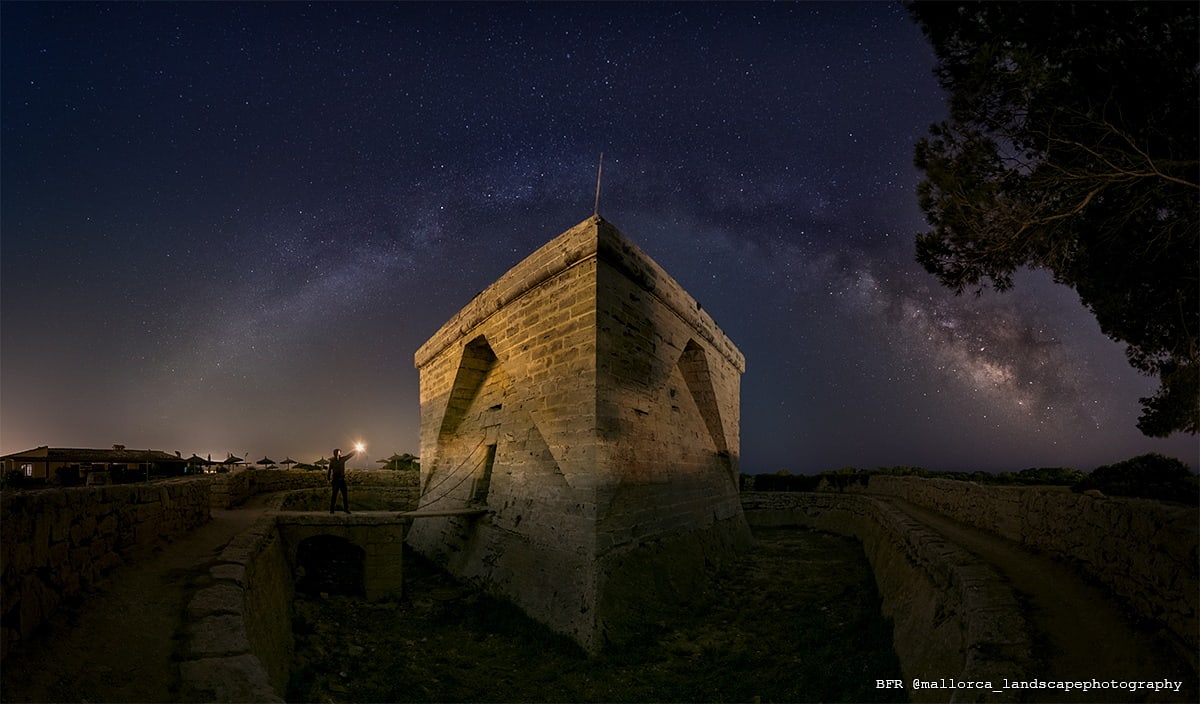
[{"x": 1149, "y": 476}]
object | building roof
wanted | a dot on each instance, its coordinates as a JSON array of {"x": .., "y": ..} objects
[{"x": 113, "y": 455}]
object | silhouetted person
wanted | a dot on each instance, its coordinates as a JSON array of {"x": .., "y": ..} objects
[{"x": 337, "y": 477}]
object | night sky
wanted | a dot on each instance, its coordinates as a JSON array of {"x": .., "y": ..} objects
[{"x": 227, "y": 228}]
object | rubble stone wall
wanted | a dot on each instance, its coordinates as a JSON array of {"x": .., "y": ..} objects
[
  {"x": 953, "y": 616},
  {"x": 57, "y": 543},
  {"x": 1145, "y": 551}
]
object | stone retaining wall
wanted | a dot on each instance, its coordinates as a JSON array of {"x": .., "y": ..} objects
[
  {"x": 372, "y": 498},
  {"x": 1144, "y": 551},
  {"x": 239, "y": 639},
  {"x": 233, "y": 488},
  {"x": 57, "y": 543},
  {"x": 379, "y": 534},
  {"x": 952, "y": 615}
]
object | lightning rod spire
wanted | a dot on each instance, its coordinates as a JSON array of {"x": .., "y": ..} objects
[{"x": 599, "y": 170}]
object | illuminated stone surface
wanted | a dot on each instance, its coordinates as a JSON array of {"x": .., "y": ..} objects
[{"x": 593, "y": 408}]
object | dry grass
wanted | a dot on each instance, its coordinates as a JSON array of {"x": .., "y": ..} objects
[{"x": 797, "y": 619}]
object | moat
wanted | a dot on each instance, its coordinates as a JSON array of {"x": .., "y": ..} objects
[
  {"x": 795, "y": 619},
  {"x": 801, "y": 615}
]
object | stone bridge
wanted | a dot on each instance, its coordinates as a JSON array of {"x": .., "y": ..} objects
[
  {"x": 373, "y": 539},
  {"x": 239, "y": 637}
]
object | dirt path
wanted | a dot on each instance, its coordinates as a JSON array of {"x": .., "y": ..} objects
[
  {"x": 117, "y": 646},
  {"x": 1086, "y": 633}
]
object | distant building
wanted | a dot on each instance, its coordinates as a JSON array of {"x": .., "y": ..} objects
[
  {"x": 69, "y": 465},
  {"x": 580, "y": 438}
]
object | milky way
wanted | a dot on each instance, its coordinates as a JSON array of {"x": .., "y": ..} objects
[{"x": 227, "y": 228}]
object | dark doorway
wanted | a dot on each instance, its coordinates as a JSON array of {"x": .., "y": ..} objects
[
  {"x": 483, "y": 481},
  {"x": 330, "y": 564}
]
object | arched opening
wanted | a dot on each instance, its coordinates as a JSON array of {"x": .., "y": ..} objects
[
  {"x": 693, "y": 364},
  {"x": 477, "y": 360},
  {"x": 330, "y": 564}
]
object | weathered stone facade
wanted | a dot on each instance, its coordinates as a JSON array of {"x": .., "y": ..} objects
[{"x": 590, "y": 405}]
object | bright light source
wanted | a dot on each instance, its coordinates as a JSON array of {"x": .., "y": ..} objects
[{"x": 359, "y": 447}]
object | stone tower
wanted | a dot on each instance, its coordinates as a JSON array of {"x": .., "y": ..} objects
[{"x": 580, "y": 438}]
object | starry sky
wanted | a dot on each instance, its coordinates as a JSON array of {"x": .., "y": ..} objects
[{"x": 227, "y": 227}]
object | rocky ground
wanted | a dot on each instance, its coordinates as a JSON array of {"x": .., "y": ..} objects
[{"x": 795, "y": 620}]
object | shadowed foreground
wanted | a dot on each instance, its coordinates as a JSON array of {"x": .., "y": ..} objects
[
  {"x": 117, "y": 644},
  {"x": 797, "y": 619}
]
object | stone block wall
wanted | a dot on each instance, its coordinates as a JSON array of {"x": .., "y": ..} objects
[
  {"x": 238, "y": 641},
  {"x": 57, "y": 543},
  {"x": 668, "y": 438},
  {"x": 1145, "y": 551},
  {"x": 362, "y": 498},
  {"x": 667, "y": 416},
  {"x": 381, "y": 536},
  {"x": 593, "y": 408},
  {"x": 953, "y": 616},
  {"x": 513, "y": 374},
  {"x": 232, "y": 488}
]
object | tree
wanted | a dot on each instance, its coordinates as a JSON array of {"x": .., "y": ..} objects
[
  {"x": 1072, "y": 146},
  {"x": 1150, "y": 476}
]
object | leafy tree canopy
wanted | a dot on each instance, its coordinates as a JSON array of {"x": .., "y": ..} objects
[
  {"x": 1150, "y": 476},
  {"x": 1072, "y": 145}
]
